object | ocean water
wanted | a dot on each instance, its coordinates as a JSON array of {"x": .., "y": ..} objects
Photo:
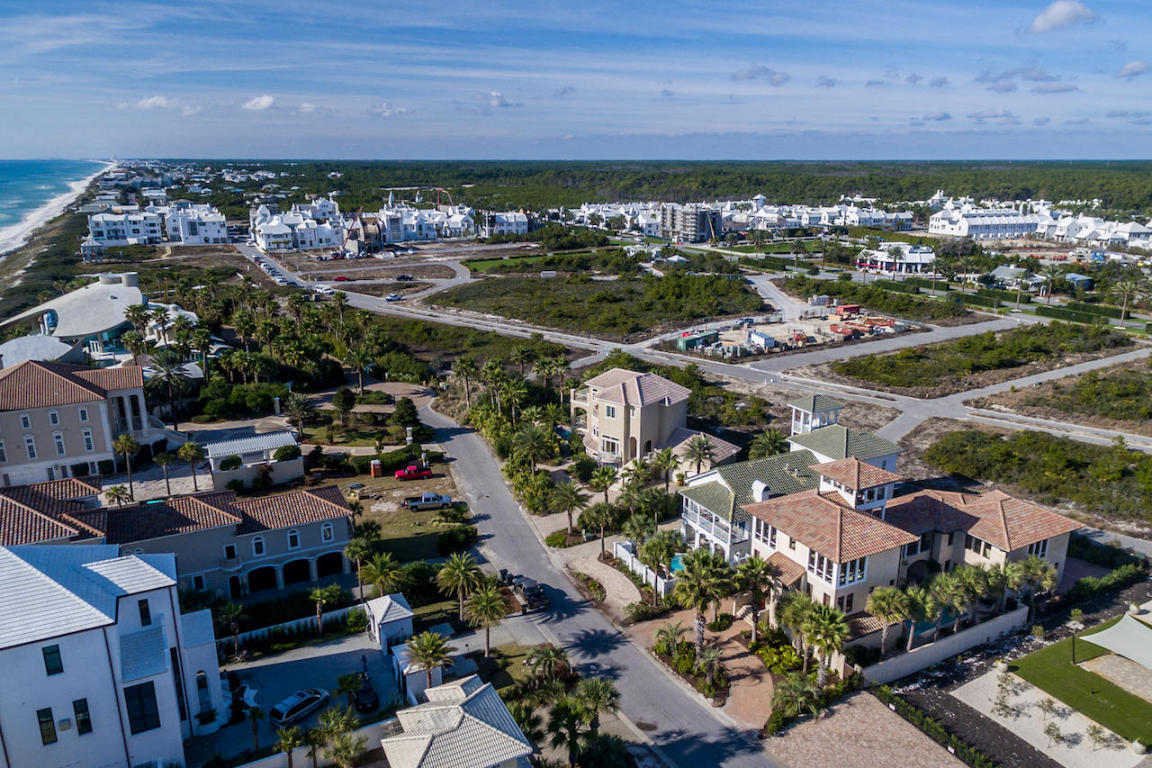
[{"x": 25, "y": 185}]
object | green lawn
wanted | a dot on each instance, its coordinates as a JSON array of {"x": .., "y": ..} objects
[
  {"x": 444, "y": 611},
  {"x": 484, "y": 265},
  {"x": 1051, "y": 669},
  {"x": 505, "y": 667},
  {"x": 352, "y": 436}
]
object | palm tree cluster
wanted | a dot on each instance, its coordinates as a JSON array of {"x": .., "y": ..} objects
[{"x": 333, "y": 737}]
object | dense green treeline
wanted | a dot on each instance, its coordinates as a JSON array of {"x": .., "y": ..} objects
[{"x": 536, "y": 185}]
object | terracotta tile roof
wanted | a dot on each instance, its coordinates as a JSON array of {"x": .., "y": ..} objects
[
  {"x": 631, "y": 388},
  {"x": 722, "y": 450},
  {"x": 855, "y": 474},
  {"x": 36, "y": 384},
  {"x": 45, "y": 511},
  {"x": 1003, "y": 521},
  {"x": 863, "y": 623},
  {"x": 790, "y": 571},
  {"x": 294, "y": 508},
  {"x": 823, "y": 523}
]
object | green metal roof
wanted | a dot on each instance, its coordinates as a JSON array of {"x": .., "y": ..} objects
[
  {"x": 816, "y": 403},
  {"x": 839, "y": 442},
  {"x": 784, "y": 474}
]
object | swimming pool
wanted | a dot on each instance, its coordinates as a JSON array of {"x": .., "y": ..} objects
[{"x": 677, "y": 564}]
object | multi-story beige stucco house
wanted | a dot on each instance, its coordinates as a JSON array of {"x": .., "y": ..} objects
[
  {"x": 59, "y": 421},
  {"x": 626, "y": 415}
]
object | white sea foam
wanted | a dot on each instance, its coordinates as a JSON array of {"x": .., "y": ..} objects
[{"x": 14, "y": 236}]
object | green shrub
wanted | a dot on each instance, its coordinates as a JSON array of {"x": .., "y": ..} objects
[
  {"x": 583, "y": 467},
  {"x": 1065, "y": 314},
  {"x": 557, "y": 539},
  {"x": 875, "y": 297},
  {"x": 357, "y": 620},
  {"x": 1107, "y": 555},
  {"x": 780, "y": 659},
  {"x": 236, "y": 485},
  {"x": 287, "y": 453},
  {"x": 1100, "y": 310},
  {"x": 202, "y": 418},
  {"x": 723, "y": 622},
  {"x": 637, "y": 612},
  {"x": 457, "y": 539},
  {"x": 230, "y": 463}
]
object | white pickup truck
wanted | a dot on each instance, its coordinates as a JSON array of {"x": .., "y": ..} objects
[{"x": 428, "y": 501}]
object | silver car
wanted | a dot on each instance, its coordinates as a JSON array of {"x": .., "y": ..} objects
[{"x": 297, "y": 707}]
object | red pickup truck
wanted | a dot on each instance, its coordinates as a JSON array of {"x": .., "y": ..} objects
[{"x": 413, "y": 472}]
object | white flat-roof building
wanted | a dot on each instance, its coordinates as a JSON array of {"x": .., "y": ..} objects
[
  {"x": 194, "y": 224},
  {"x": 100, "y": 667},
  {"x": 983, "y": 223},
  {"x": 505, "y": 223},
  {"x": 897, "y": 259},
  {"x": 120, "y": 229}
]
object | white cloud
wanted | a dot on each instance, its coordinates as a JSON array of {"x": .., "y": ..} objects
[
  {"x": 937, "y": 116},
  {"x": 387, "y": 109},
  {"x": 1054, "y": 88},
  {"x": 189, "y": 109},
  {"x": 150, "y": 103},
  {"x": 1133, "y": 69},
  {"x": 761, "y": 72},
  {"x": 997, "y": 116},
  {"x": 1031, "y": 74},
  {"x": 496, "y": 100},
  {"x": 1062, "y": 13},
  {"x": 307, "y": 108},
  {"x": 155, "y": 102},
  {"x": 259, "y": 103},
  {"x": 826, "y": 82},
  {"x": 667, "y": 93}
]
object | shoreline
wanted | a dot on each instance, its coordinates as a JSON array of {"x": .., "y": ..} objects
[{"x": 16, "y": 236}]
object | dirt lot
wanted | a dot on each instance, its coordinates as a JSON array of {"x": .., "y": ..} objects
[
  {"x": 855, "y": 415},
  {"x": 1024, "y": 402},
  {"x": 407, "y": 535},
  {"x": 946, "y": 387},
  {"x": 209, "y": 256}
]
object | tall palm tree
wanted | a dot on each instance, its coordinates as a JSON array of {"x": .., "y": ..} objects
[
  {"x": 944, "y": 591},
  {"x": 567, "y": 498},
  {"x": 600, "y": 516},
  {"x": 345, "y": 748},
  {"x": 558, "y": 368},
  {"x": 230, "y": 616},
  {"x": 827, "y": 631},
  {"x": 1126, "y": 291},
  {"x": 565, "y": 726},
  {"x": 666, "y": 462},
  {"x": 638, "y": 472},
  {"x": 889, "y": 605},
  {"x": 708, "y": 660},
  {"x": 768, "y": 443},
  {"x": 793, "y": 610},
  {"x": 383, "y": 571},
  {"x": 297, "y": 407},
  {"x": 547, "y": 662},
  {"x": 1038, "y": 575},
  {"x": 117, "y": 494},
  {"x": 465, "y": 368},
  {"x": 761, "y": 579},
  {"x": 358, "y": 550},
  {"x": 696, "y": 589},
  {"x": 971, "y": 587},
  {"x": 459, "y": 575},
  {"x": 485, "y": 607},
  {"x": 323, "y": 596},
  {"x": 255, "y": 715},
  {"x": 532, "y": 443},
  {"x": 347, "y": 685},
  {"x": 515, "y": 395},
  {"x": 164, "y": 460},
  {"x": 657, "y": 553},
  {"x": 522, "y": 356},
  {"x": 922, "y": 606},
  {"x": 134, "y": 343},
  {"x": 602, "y": 479},
  {"x": 996, "y": 578},
  {"x": 169, "y": 377},
  {"x": 138, "y": 315},
  {"x": 430, "y": 650},
  {"x": 1051, "y": 273},
  {"x": 125, "y": 445},
  {"x": 193, "y": 454},
  {"x": 596, "y": 695},
  {"x": 340, "y": 301},
  {"x": 698, "y": 450},
  {"x": 637, "y": 528},
  {"x": 288, "y": 740}
]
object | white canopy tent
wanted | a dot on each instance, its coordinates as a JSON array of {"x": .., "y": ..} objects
[{"x": 1129, "y": 637}]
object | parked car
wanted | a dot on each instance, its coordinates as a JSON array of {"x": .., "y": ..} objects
[
  {"x": 297, "y": 707},
  {"x": 366, "y": 698},
  {"x": 404, "y": 278},
  {"x": 532, "y": 596},
  {"x": 427, "y": 500},
  {"x": 393, "y": 297},
  {"x": 342, "y": 279},
  {"x": 413, "y": 472}
]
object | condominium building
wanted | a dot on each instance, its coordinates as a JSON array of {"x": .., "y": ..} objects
[
  {"x": 897, "y": 259},
  {"x": 690, "y": 223},
  {"x": 982, "y": 223},
  {"x": 100, "y": 666},
  {"x": 194, "y": 224},
  {"x": 130, "y": 228}
]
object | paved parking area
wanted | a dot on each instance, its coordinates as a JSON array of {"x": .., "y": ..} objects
[{"x": 314, "y": 666}]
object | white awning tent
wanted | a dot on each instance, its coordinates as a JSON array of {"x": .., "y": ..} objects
[{"x": 1129, "y": 637}]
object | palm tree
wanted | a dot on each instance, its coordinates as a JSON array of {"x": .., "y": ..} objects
[
  {"x": 698, "y": 450},
  {"x": 193, "y": 454},
  {"x": 340, "y": 301},
  {"x": 1051, "y": 273},
  {"x": 255, "y": 715},
  {"x": 322, "y": 596},
  {"x": 465, "y": 368},
  {"x": 761, "y": 579},
  {"x": 138, "y": 315},
  {"x": 547, "y": 662},
  {"x": 521, "y": 356},
  {"x": 430, "y": 650},
  {"x": 638, "y": 472},
  {"x": 567, "y": 498},
  {"x": 600, "y": 516},
  {"x": 458, "y": 576},
  {"x": 134, "y": 343},
  {"x": 125, "y": 445},
  {"x": 530, "y": 723},
  {"x": 596, "y": 695},
  {"x": 707, "y": 661},
  {"x": 348, "y": 685},
  {"x": 515, "y": 395},
  {"x": 564, "y": 726},
  {"x": 358, "y": 550},
  {"x": 230, "y": 615},
  {"x": 943, "y": 589},
  {"x": 795, "y": 693},
  {"x": 602, "y": 479},
  {"x": 827, "y": 630},
  {"x": 314, "y": 739},
  {"x": 793, "y": 610},
  {"x": 922, "y": 606},
  {"x": 637, "y": 528},
  {"x": 117, "y": 494},
  {"x": 532, "y": 443},
  {"x": 297, "y": 407},
  {"x": 289, "y": 740},
  {"x": 657, "y": 553},
  {"x": 1038, "y": 575},
  {"x": 696, "y": 589},
  {"x": 666, "y": 462},
  {"x": 996, "y": 578},
  {"x": 768, "y": 443},
  {"x": 668, "y": 637},
  {"x": 971, "y": 586},
  {"x": 889, "y": 605},
  {"x": 163, "y": 460},
  {"x": 485, "y": 607},
  {"x": 383, "y": 571},
  {"x": 1126, "y": 291},
  {"x": 344, "y": 748},
  {"x": 169, "y": 376}
]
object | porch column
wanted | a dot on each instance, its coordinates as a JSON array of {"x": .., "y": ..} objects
[
  {"x": 312, "y": 569},
  {"x": 279, "y": 577},
  {"x": 347, "y": 564}
]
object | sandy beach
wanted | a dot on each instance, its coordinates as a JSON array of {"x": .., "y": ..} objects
[{"x": 15, "y": 236}]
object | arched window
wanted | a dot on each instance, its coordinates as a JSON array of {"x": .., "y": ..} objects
[
  {"x": 258, "y": 546},
  {"x": 326, "y": 532},
  {"x": 293, "y": 539}
]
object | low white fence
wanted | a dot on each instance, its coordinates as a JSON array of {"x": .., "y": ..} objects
[
  {"x": 905, "y": 664},
  {"x": 371, "y": 733},
  {"x": 624, "y": 551},
  {"x": 225, "y": 641}
]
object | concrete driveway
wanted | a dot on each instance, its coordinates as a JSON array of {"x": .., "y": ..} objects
[{"x": 274, "y": 678}]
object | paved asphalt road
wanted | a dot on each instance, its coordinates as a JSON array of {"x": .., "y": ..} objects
[{"x": 685, "y": 731}]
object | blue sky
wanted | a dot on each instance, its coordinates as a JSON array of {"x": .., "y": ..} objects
[{"x": 702, "y": 79}]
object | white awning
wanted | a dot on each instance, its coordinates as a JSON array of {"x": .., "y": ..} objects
[{"x": 1129, "y": 637}]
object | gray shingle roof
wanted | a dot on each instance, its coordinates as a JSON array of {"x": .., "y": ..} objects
[
  {"x": 784, "y": 473},
  {"x": 816, "y": 403},
  {"x": 839, "y": 442}
]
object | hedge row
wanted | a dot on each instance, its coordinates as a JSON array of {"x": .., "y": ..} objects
[
  {"x": 933, "y": 729},
  {"x": 976, "y": 299},
  {"x": 896, "y": 285},
  {"x": 1101, "y": 310},
  {"x": 770, "y": 262},
  {"x": 393, "y": 460},
  {"x": 1008, "y": 297},
  {"x": 941, "y": 285},
  {"x": 1065, "y": 314}
]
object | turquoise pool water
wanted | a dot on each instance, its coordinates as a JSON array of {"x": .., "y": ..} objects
[{"x": 677, "y": 565}]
